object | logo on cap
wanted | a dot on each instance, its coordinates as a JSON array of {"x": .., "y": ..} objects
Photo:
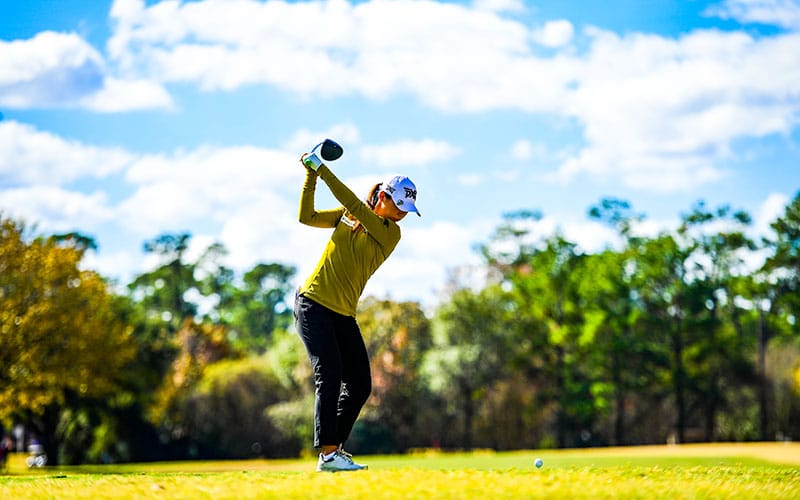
[{"x": 403, "y": 193}]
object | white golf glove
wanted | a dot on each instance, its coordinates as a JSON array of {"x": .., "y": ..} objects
[{"x": 312, "y": 161}]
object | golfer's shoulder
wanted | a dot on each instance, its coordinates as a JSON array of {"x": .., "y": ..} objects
[{"x": 393, "y": 232}]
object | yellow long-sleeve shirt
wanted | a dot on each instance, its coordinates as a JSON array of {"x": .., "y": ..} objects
[{"x": 349, "y": 258}]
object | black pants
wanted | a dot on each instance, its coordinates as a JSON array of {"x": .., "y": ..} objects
[{"x": 340, "y": 362}]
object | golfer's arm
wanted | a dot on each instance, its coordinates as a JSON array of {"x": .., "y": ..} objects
[
  {"x": 308, "y": 214},
  {"x": 385, "y": 232}
]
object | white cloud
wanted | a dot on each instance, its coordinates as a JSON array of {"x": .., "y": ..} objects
[
  {"x": 522, "y": 150},
  {"x": 500, "y": 5},
  {"x": 470, "y": 179},
  {"x": 554, "y": 34},
  {"x": 590, "y": 236},
  {"x": 657, "y": 113},
  {"x": 650, "y": 228},
  {"x": 127, "y": 95},
  {"x": 783, "y": 13},
  {"x": 773, "y": 207},
  {"x": 422, "y": 259},
  {"x": 49, "y": 69},
  {"x": 409, "y": 153},
  {"x": 450, "y": 56},
  {"x": 663, "y": 114},
  {"x": 206, "y": 185},
  {"x": 30, "y": 156},
  {"x": 53, "y": 209},
  {"x": 63, "y": 70}
]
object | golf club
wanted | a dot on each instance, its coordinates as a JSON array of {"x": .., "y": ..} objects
[{"x": 327, "y": 150}]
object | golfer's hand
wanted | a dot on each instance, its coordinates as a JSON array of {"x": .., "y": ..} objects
[{"x": 309, "y": 163}]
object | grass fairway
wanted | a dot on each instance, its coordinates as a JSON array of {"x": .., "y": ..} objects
[{"x": 747, "y": 471}]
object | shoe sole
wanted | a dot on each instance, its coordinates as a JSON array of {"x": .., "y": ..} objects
[{"x": 342, "y": 470}]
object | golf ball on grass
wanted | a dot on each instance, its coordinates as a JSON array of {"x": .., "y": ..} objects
[{"x": 538, "y": 463}]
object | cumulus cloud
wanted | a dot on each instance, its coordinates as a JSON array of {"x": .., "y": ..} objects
[
  {"x": 54, "y": 209},
  {"x": 32, "y": 157},
  {"x": 408, "y": 153},
  {"x": 554, "y": 34},
  {"x": 783, "y": 13},
  {"x": 656, "y": 112},
  {"x": 207, "y": 184},
  {"x": 450, "y": 56},
  {"x": 772, "y": 208},
  {"x": 470, "y": 179},
  {"x": 662, "y": 114},
  {"x": 63, "y": 70},
  {"x": 500, "y": 5},
  {"x": 521, "y": 150},
  {"x": 424, "y": 256},
  {"x": 127, "y": 95},
  {"x": 48, "y": 69}
]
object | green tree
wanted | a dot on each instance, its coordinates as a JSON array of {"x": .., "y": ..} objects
[
  {"x": 225, "y": 414},
  {"x": 162, "y": 291},
  {"x": 60, "y": 338},
  {"x": 552, "y": 294},
  {"x": 259, "y": 306},
  {"x": 198, "y": 346},
  {"x": 621, "y": 352},
  {"x": 785, "y": 256},
  {"x": 778, "y": 305},
  {"x": 716, "y": 243},
  {"x": 659, "y": 286},
  {"x": 543, "y": 279},
  {"x": 619, "y": 356},
  {"x": 469, "y": 351},
  {"x": 398, "y": 336},
  {"x": 292, "y": 418}
]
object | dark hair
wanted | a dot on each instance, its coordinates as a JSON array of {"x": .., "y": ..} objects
[
  {"x": 371, "y": 201},
  {"x": 372, "y": 197}
]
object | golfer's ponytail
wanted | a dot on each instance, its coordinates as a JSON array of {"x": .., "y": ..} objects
[
  {"x": 371, "y": 200},
  {"x": 372, "y": 197}
]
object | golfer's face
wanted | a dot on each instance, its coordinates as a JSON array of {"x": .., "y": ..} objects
[{"x": 390, "y": 210}]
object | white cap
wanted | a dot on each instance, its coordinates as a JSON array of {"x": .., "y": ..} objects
[{"x": 403, "y": 193}]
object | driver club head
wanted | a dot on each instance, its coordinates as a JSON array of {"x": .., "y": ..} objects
[{"x": 329, "y": 150}]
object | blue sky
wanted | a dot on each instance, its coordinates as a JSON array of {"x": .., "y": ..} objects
[{"x": 126, "y": 119}]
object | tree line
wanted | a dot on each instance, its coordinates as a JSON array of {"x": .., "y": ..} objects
[{"x": 688, "y": 335}]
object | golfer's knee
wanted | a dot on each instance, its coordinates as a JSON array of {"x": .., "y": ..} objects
[{"x": 362, "y": 390}]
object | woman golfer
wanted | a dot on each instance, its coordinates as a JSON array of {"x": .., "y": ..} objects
[{"x": 364, "y": 235}]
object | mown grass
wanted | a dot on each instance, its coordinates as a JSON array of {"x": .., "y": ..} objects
[{"x": 709, "y": 471}]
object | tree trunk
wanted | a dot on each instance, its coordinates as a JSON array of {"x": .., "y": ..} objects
[
  {"x": 619, "y": 418},
  {"x": 561, "y": 424},
  {"x": 763, "y": 387},
  {"x": 712, "y": 400},
  {"x": 619, "y": 400},
  {"x": 679, "y": 383},
  {"x": 469, "y": 410}
]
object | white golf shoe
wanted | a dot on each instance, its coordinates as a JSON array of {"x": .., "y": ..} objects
[{"x": 340, "y": 461}]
